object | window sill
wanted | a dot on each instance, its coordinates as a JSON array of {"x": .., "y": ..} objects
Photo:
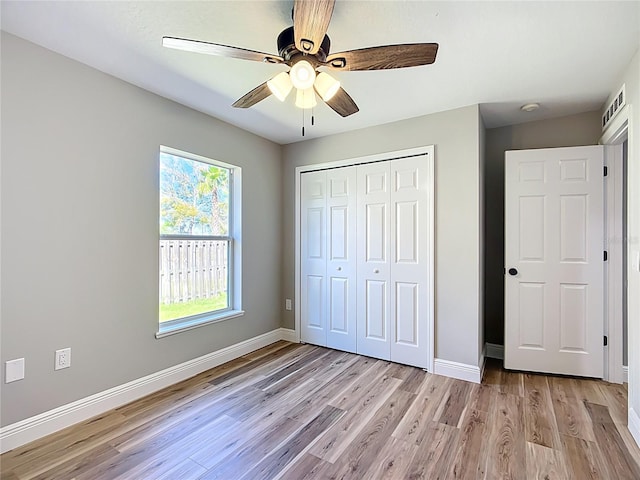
[{"x": 198, "y": 322}]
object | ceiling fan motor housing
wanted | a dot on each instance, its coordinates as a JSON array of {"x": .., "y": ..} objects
[{"x": 287, "y": 47}]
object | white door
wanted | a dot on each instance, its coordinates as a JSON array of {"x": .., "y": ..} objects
[
  {"x": 313, "y": 266},
  {"x": 554, "y": 261},
  {"x": 373, "y": 276},
  {"x": 341, "y": 258},
  {"x": 410, "y": 297}
]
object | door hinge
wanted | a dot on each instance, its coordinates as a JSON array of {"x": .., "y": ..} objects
[
  {"x": 606, "y": 255},
  {"x": 606, "y": 341},
  {"x": 606, "y": 171}
]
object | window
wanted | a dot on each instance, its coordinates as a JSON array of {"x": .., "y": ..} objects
[{"x": 197, "y": 241}]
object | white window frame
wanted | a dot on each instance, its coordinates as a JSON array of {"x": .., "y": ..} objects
[{"x": 234, "y": 253}]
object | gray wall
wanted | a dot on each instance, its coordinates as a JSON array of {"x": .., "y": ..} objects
[
  {"x": 455, "y": 135},
  {"x": 574, "y": 130},
  {"x": 80, "y": 228}
]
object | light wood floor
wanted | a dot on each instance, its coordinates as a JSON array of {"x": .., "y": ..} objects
[{"x": 303, "y": 412}]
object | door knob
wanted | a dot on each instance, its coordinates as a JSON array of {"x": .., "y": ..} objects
[
  {"x": 339, "y": 269},
  {"x": 513, "y": 271},
  {"x": 376, "y": 271}
]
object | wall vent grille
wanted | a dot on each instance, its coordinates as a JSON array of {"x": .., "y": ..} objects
[{"x": 613, "y": 108}]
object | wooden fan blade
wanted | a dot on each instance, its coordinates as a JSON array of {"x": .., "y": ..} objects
[
  {"x": 254, "y": 96},
  {"x": 385, "y": 57},
  {"x": 342, "y": 103},
  {"x": 221, "y": 50},
  {"x": 310, "y": 23}
]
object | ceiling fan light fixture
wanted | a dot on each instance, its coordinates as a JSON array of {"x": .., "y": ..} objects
[
  {"x": 302, "y": 75},
  {"x": 306, "y": 98},
  {"x": 326, "y": 86},
  {"x": 280, "y": 85}
]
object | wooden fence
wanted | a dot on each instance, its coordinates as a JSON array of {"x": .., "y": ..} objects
[{"x": 192, "y": 269}]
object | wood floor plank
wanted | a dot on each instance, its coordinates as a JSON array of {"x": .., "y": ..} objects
[
  {"x": 414, "y": 425},
  {"x": 393, "y": 460},
  {"x": 492, "y": 373},
  {"x": 332, "y": 444},
  {"x": 454, "y": 403},
  {"x": 364, "y": 450},
  {"x": 276, "y": 347},
  {"x": 182, "y": 416},
  {"x": 185, "y": 470},
  {"x": 588, "y": 390},
  {"x": 248, "y": 366},
  {"x": 512, "y": 383},
  {"x": 585, "y": 462},
  {"x": 350, "y": 396},
  {"x": 307, "y": 467},
  {"x": 481, "y": 397},
  {"x": 240, "y": 459},
  {"x": 414, "y": 381},
  {"x": 506, "y": 445},
  {"x": 74, "y": 467},
  {"x": 265, "y": 426},
  {"x": 433, "y": 458},
  {"x": 466, "y": 462},
  {"x": 275, "y": 462},
  {"x": 259, "y": 417},
  {"x": 160, "y": 462},
  {"x": 620, "y": 463},
  {"x": 154, "y": 452},
  {"x": 8, "y": 475},
  {"x": 616, "y": 399},
  {"x": 571, "y": 416},
  {"x": 544, "y": 463},
  {"x": 539, "y": 420},
  {"x": 308, "y": 408},
  {"x": 312, "y": 356}
]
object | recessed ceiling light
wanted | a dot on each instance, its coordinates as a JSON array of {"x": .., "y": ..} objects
[{"x": 530, "y": 107}]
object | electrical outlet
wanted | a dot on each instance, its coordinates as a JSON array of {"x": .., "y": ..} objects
[
  {"x": 63, "y": 358},
  {"x": 14, "y": 370},
  {"x": 287, "y": 304}
]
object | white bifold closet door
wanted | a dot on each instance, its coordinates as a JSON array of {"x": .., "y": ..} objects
[
  {"x": 393, "y": 269},
  {"x": 365, "y": 259},
  {"x": 328, "y": 293}
]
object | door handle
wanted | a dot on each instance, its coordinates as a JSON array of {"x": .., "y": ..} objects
[{"x": 513, "y": 271}]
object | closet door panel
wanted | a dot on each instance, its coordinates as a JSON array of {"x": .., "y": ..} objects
[
  {"x": 373, "y": 250},
  {"x": 409, "y": 270},
  {"x": 313, "y": 262},
  {"x": 341, "y": 258}
]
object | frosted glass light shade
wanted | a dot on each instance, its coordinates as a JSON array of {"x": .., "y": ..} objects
[
  {"x": 280, "y": 85},
  {"x": 306, "y": 98},
  {"x": 302, "y": 75},
  {"x": 326, "y": 86}
]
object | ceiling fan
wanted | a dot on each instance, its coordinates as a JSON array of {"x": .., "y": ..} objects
[{"x": 304, "y": 47}]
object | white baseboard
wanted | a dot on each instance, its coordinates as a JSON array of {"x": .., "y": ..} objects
[
  {"x": 494, "y": 350},
  {"x": 289, "y": 335},
  {"x": 634, "y": 425},
  {"x": 461, "y": 371},
  {"x": 25, "y": 431},
  {"x": 625, "y": 374}
]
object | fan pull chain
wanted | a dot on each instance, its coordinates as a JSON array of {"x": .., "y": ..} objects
[
  {"x": 313, "y": 117},
  {"x": 302, "y": 120}
]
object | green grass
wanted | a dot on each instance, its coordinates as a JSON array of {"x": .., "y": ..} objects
[{"x": 194, "y": 307}]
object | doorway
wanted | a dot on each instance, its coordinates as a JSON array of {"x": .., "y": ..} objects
[{"x": 615, "y": 140}]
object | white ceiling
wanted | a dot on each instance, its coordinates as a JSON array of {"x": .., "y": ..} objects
[{"x": 565, "y": 55}]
